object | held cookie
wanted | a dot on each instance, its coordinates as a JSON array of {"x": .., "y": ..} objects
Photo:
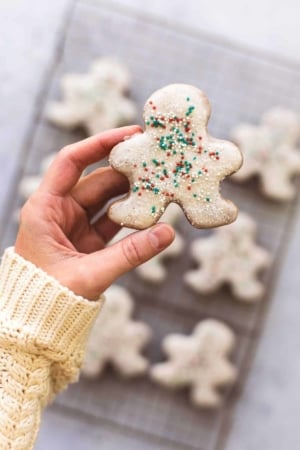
[
  {"x": 270, "y": 152},
  {"x": 95, "y": 101},
  {"x": 230, "y": 256},
  {"x": 154, "y": 270},
  {"x": 199, "y": 361},
  {"x": 175, "y": 160},
  {"x": 116, "y": 338}
]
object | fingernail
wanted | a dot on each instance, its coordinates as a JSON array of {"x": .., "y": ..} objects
[
  {"x": 161, "y": 235},
  {"x": 125, "y": 138}
]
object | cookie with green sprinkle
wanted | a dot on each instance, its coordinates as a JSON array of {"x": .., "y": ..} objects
[{"x": 175, "y": 160}]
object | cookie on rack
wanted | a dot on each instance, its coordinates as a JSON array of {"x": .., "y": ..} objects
[
  {"x": 200, "y": 361},
  {"x": 230, "y": 256},
  {"x": 175, "y": 160},
  {"x": 270, "y": 152},
  {"x": 154, "y": 270},
  {"x": 95, "y": 101},
  {"x": 116, "y": 338}
]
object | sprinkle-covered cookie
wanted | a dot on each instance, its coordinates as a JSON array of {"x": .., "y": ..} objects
[
  {"x": 230, "y": 256},
  {"x": 270, "y": 152},
  {"x": 116, "y": 338},
  {"x": 154, "y": 270},
  {"x": 199, "y": 361},
  {"x": 95, "y": 101},
  {"x": 175, "y": 160}
]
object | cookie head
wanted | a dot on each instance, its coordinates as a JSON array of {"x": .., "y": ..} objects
[
  {"x": 285, "y": 124},
  {"x": 175, "y": 160},
  {"x": 165, "y": 109}
]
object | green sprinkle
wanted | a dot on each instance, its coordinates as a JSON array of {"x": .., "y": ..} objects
[
  {"x": 156, "y": 190},
  {"x": 157, "y": 123},
  {"x": 144, "y": 164},
  {"x": 190, "y": 110},
  {"x": 155, "y": 162},
  {"x": 135, "y": 188},
  {"x": 188, "y": 99},
  {"x": 153, "y": 209},
  {"x": 162, "y": 143},
  {"x": 194, "y": 195},
  {"x": 207, "y": 199}
]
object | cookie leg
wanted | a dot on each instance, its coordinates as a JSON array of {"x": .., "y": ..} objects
[
  {"x": 205, "y": 395},
  {"x": 212, "y": 213},
  {"x": 130, "y": 363},
  {"x": 250, "y": 290},
  {"x": 202, "y": 281},
  {"x": 63, "y": 115},
  {"x": 135, "y": 212},
  {"x": 92, "y": 366}
]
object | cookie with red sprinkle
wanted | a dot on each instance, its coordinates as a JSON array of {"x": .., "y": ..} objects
[{"x": 175, "y": 160}]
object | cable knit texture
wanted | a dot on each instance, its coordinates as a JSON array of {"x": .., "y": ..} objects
[{"x": 43, "y": 331}]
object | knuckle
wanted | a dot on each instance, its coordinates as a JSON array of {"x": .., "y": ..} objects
[{"x": 132, "y": 252}]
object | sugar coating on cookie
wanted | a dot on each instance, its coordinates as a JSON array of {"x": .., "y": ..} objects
[
  {"x": 175, "y": 160},
  {"x": 270, "y": 151},
  {"x": 230, "y": 256},
  {"x": 116, "y": 338},
  {"x": 96, "y": 100},
  {"x": 200, "y": 361},
  {"x": 154, "y": 270}
]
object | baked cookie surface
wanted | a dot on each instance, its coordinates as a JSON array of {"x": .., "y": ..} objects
[
  {"x": 230, "y": 256},
  {"x": 199, "y": 361},
  {"x": 96, "y": 100},
  {"x": 270, "y": 152},
  {"x": 175, "y": 160}
]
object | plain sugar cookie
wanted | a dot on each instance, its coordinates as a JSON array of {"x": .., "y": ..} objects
[
  {"x": 175, "y": 160},
  {"x": 200, "y": 361},
  {"x": 116, "y": 338},
  {"x": 230, "y": 256},
  {"x": 270, "y": 152}
]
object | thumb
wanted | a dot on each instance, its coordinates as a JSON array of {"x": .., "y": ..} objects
[{"x": 130, "y": 252}]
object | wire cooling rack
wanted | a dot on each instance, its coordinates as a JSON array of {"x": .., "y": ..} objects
[{"x": 240, "y": 86}]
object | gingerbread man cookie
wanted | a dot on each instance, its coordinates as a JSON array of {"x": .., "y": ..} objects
[
  {"x": 270, "y": 152},
  {"x": 95, "y": 101},
  {"x": 116, "y": 338},
  {"x": 230, "y": 256},
  {"x": 199, "y": 361},
  {"x": 154, "y": 270},
  {"x": 175, "y": 160}
]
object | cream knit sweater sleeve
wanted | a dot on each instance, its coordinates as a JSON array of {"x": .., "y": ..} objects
[{"x": 43, "y": 331}]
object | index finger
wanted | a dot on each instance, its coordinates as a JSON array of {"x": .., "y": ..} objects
[{"x": 67, "y": 167}]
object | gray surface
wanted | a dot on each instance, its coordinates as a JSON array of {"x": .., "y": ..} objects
[
  {"x": 62, "y": 430},
  {"x": 267, "y": 415},
  {"x": 240, "y": 87},
  {"x": 26, "y": 55}
]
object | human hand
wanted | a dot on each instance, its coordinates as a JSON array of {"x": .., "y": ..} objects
[{"x": 56, "y": 230}]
